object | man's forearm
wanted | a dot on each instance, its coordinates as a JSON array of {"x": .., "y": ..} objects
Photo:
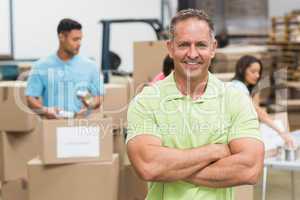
[
  {"x": 226, "y": 172},
  {"x": 184, "y": 163},
  {"x": 97, "y": 101},
  {"x": 170, "y": 164},
  {"x": 35, "y": 104},
  {"x": 237, "y": 169}
]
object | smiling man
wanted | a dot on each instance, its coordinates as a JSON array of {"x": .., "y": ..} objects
[
  {"x": 190, "y": 135},
  {"x": 55, "y": 81}
]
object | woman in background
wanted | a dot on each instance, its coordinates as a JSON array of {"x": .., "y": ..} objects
[{"x": 248, "y": 72}]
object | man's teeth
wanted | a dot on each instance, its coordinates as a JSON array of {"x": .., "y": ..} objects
[{"x": 192, "y": 63}]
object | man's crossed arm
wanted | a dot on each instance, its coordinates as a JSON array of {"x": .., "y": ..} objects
[{"x": 212, "y": 165}]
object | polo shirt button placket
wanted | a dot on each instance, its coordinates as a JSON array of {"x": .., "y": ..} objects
[{"x": 66, "y": 74}]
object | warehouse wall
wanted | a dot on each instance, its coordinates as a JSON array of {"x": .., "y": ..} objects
[
  {"x": 5, "y": 45},
  {"x": 35, "y": 25},
  {"x": 279, "y": 8}
]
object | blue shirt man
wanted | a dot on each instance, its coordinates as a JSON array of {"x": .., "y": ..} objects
[
  {"x": 57, "y": 82},
  {"x": 54, "y": 81}
]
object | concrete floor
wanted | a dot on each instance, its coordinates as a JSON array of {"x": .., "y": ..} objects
[{"x": 279, "y": 186}]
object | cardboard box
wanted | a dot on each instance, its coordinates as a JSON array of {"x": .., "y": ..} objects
[
  {"x": 91, "y": 181},
  {"x": 119, "y": 145},
  {"x": 125, "y": 80},
  {"x": 130, "y": 89},
  {"x": 244, "y": 192},
  {"x": 15, "y": 190},
  {"x": 148, "y": 62},
  {"x": 95, "y": 114},
  {"x": 226, "y": 58},
  {"x": 294, "y": 119},
  {"x": 15, "y": 151},
  {"x": 75, "y": 140},
  {"x": 131, "y": 186},
  {"x": 115, "y": 104},
  {"x": 15, "y": 115}
]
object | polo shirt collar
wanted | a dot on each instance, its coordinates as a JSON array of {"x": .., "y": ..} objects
[
  {"x": 169, "y": 86},
  {"x": 214, "y": 88},
  {"x": 69, "y": 62}
]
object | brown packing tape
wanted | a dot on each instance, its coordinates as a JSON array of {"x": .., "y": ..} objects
[
  {"x": 2, "y": 158},
  {"x": 1, "y": 95},
  {"x": 5, "y": 94},
  {"x": 119, "y": 145}
]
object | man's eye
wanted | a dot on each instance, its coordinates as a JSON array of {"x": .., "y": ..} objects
[
  {"x": 184, "y": 45},
  {"x": 201, "y": 45}
]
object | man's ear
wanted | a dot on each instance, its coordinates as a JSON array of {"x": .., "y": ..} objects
[
  {"x": 214, "y": 48},
  {"x": 61, "y": 36},
  {"x": 170, "y": 47}
]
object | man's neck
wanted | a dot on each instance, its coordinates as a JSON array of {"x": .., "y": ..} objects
[
  {"x": 63, "y": 55},
  {"x": 192, "y": 87}
]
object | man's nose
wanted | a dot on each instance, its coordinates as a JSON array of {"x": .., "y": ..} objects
[{"x": 192, "y": 53}]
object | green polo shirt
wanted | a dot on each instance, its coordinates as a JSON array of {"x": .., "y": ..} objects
[{"x": 220, "y": 115}]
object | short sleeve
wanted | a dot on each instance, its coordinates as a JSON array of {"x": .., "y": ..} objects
[
  {"x": 35, "y": 84},
  {"x": 97, "y": 85},
  {"x": 141, "y": 119},
  {"x": 244, "y": 117},
  {"x": 240, "y": 86}
]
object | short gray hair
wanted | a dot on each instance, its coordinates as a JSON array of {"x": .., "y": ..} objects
[{"x": 187, "y": 14}]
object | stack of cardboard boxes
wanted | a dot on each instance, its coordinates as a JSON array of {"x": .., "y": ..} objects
[
  {"x": 18, "y": 142},
  {"x": 116, "y": 100},
  {"x": 54, "y": 159},
  {"x": 75, "y": 161}
]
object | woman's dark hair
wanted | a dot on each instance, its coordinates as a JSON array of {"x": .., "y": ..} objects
[
  {"x": 68, "y": 25},
  {"x": 168, "y": 65},
  {"x": 241, "y": 66}
]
